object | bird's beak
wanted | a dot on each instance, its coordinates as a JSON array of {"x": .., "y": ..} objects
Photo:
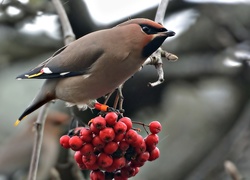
[
  {"x": 167, "y": 33},
  {"x": 170, "y": 33}
]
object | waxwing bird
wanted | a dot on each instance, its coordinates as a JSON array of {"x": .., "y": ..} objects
[
  {"x": 96, "y": 64},
  {"x": 16, "y": 151}
]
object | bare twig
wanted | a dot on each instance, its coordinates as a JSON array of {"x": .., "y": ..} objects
[
  {"x": 54, "y": 174},
  {"x": 39, "y": 127},
  {"x": 156, "y": 60},
  {"x": 66, "y": 27},
  {"x": 232, "y": 170},
  {"x": 69, "y": 37},
  {"x": 160, "y": 13}
]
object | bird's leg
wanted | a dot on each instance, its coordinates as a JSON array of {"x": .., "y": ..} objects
[
  {"x": 121, "y": 98},
  {"x": 117, "y": 98},
  {"x": 104, "y": 108},
  {"x": 107, "y": 97}
]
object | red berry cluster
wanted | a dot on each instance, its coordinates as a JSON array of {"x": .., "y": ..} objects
[{"x": 111, "y": 148}]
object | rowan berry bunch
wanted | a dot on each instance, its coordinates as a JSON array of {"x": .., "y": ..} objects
[{"x": 111, "y": 147}]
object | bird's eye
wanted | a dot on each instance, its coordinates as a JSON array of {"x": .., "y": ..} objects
[
  {"x": 162, "y": 30},
  {"x": 146, "y": 29}
]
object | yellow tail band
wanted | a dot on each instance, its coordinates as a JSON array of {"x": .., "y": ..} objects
[{"x": 17, "y": 122}]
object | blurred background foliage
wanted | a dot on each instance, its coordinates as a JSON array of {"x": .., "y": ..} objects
[{"x": 203, "y": 104}]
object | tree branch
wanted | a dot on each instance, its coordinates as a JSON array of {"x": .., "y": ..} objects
[
  {"x": 156, "y": 58},
  {"x": 232, "y": 170},
  {"x": 68, "y": 34},
  {"x": 39, "y": 125},
  {"x": 161, "y": 10}
]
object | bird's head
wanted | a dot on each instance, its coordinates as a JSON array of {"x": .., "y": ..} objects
[{"x": 152, "y": 33}]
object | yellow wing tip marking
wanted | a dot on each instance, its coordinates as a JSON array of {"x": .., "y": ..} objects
[
  {"x": 35, "y": 75},
  {"x": 17, "y": 122}
]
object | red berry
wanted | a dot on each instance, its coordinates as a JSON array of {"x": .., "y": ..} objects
[
  {"x": 120, "y": 127},
  {"x": 75, "y": 143},
  {"x": 143, "y": 157},
  {"x": 127, "y": 171},
  {"x": 104, "y": 160},
  {"x": 107, "y": 134},
  {"x": 111, "y": 118},
  {"x": 135, "y": 163},
  {"x": 137, "y": 169},
  {"x": 154, "y": 154},
  {"x": 82, "y": 166},
  {"x": 118, "y": 176},
  {"x": 110, "y": 147},
  {"x": 78, "y": 157},
  {"x": 89, "y": 160},
  {"x": 97, "y": 175},
  {"x": 141, "y": 148},
  {"x": 92, "y": 167},
  {"x": 99, "y": 122},
  {"x": 155, "y": 127},
  {"x": 138, "y": 142},
  {"x": 86, "y": 135},
  {"x": 118, "y": 163},
  {"x": 131, "y": 136},
  {"x": 127, "y": 121},
  {"x": 64, "y": 141},
  {"x": 97, "y": 142},
  {"x": 123, "y": 145},
  {"x": 119, "y": 137},
  {"x": 151, "y": 141},
  {"x": 94, "y": 129},
  {"x": 109, "y": 169},
  {"x": 87, "y": 149}
]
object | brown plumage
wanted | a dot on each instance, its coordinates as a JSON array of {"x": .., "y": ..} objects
[{"x": 97, "y": 63}]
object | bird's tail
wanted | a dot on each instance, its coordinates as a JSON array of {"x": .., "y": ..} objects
[{"x": 45, "y": 95}]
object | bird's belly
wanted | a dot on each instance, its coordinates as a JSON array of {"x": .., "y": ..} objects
[{"x": 80, "y": 90}]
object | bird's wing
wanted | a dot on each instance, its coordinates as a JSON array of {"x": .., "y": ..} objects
[{"x": 72, "y": 60}]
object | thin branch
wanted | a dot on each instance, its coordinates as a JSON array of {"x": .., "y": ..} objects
[
  {"x": 68, "y": 34},
  {"x": 55, "y": 174},
  {"x": 156, "y": 58},
  {"x": 232, "y": 170},
  {"x": 39, "y": 125},
  {"x": 160, "y": 13}
]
